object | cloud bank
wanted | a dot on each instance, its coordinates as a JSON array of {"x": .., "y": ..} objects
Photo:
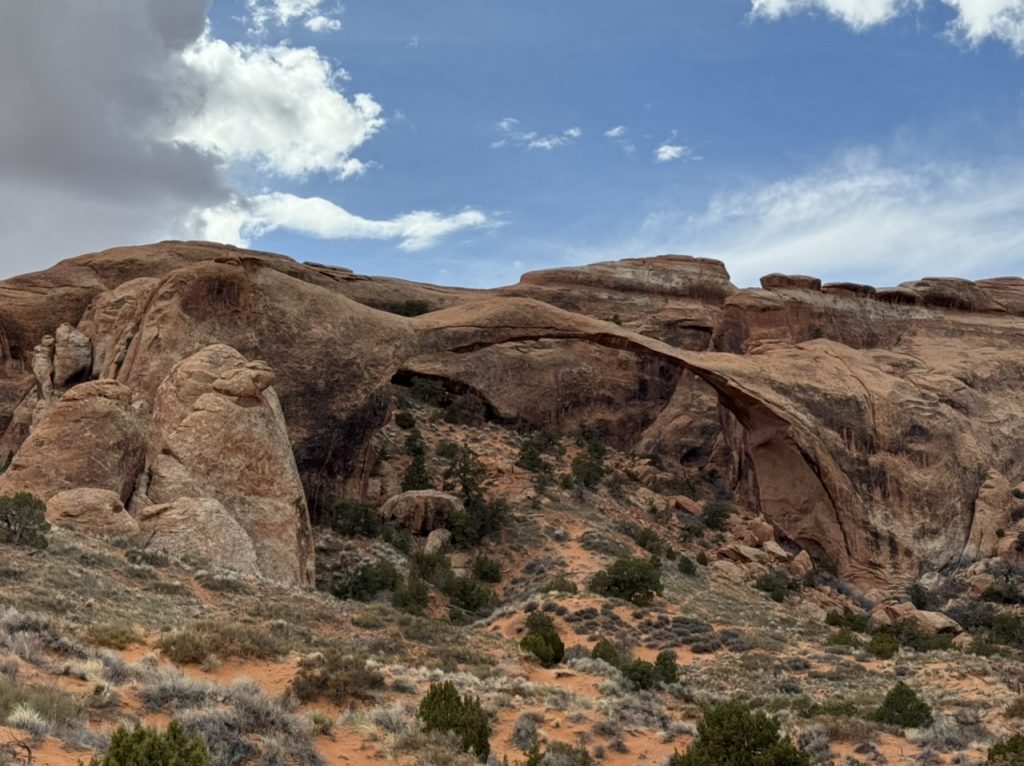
[
  {"x": 975, "y": 22},
  {"x": 127, "y": 121}
]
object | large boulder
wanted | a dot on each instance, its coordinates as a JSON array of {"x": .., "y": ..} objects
[
  {"x": 991, "y": 517},
  {"x": 421, "y": 511},
  {"x": 93, "y": 511},
  {"x": 218, "y": 433},
  {"x": 885, "y": 615},
  {"x": 95, "y": 436},
  {"x": 72, "y": 358},
  {"x": 200, "y": 528}
]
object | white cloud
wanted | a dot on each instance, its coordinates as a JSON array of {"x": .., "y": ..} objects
[
  {"x": 277, "y": 106},
  {"x": 978, "y": 20},
  {"x": 511, "y": 135},
  {"x": 859, "y": 14},
  {"x": 670, "y": 152},
  {"x": 859, "y": 219},
  {"x": 240, "y": 221},
  {"x": 617, "y": 132},
  {"x": 284, "y": 12},
  {"x": 975, "y": 22}
]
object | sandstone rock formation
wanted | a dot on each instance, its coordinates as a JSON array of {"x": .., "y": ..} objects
[
  {"x": 421, "y": 512},
  {"x": 93, "y": 437},
  {"x": 991, "y": 517},
  {"x": 200, "y": 528},
  {"x": 218, "y": 433},
  {"x": 94, "y": 511},
  {"x": 861, "y": 423}
]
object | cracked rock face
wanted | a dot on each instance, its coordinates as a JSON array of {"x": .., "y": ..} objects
[
  {"x": 218, "y": 434},
  {"x": 863, "y": 423}
]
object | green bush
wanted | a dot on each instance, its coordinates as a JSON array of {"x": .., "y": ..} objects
[
  {"x": 151, "y": 748},
  {"x": 23, "y": 521},
  {"x": 1007, "y": 629},
  {"x": 1003, "y": 593},
  {"x": 356, "y": 519},
  {"x": 467, "y": 594},
  {"x": 649, "y": 540},
  {"x": 776, "y": 584},
  {"x": 405, "y": 420},
  {"x": 587, "y": 472},
  {"x": 444, "y": 709},
  {"x": 716, "y": 515},
  {"x": 605, "y": 650},
  {"x": 558, "y": 754},
  {"x": 903, "y": 707},
  {"x": 542, "y": 640},
  {"x": 367, "y": 581},
  {"x": 640, "y": 673},
  {"x": 335, "y": 676},
  {"x": 1007, "y": 752},
  {"x": 412, "y": 307},
  {"x": 848, "y": 619},
  {"x": 416, "y": 475},
  {"x": 487, "y": 569},
  {"x": 729, "y": 734},
  {"x": 884, "y": 646},
  {"x": 631, "y": 579},
  {"x": 702, "y": 558},
  {"x": 411, "y": 596},
  {"x": 666, "y": 669},
  {"x": 686, "y": 566},
  {"x": 843, "y": 637}
]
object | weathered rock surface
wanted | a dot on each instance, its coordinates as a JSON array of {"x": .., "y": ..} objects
[
  {"x": 930, "y": 622},
  {"x": 72, "y": 357},
  {"x": 200, "y": 528},
  {"x": 218, "y": 433},
  {"x": 860, "y": 423},
  {"x": 991, "y": 517},
  {"x": 421, "y": 512},
  {"x": 93, "y": 437},
  {"x": 94, "y": 511}
]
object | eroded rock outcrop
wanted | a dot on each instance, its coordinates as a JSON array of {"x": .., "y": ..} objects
[
  {"x": 199, "y": 528},
  {"x": 94, "y": 511},
  {"x": 421, "y": 511},
  {"x": 218, "y": 433},
  {"x": 95, "y": 436}
]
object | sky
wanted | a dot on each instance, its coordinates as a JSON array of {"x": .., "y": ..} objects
[{"x": 465, "y": 142}]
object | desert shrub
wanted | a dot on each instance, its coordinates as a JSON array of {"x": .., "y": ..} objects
[
  {"x": 1007, "y": 629},
  {"x": 486, "y": 569},
  {"x": 911, "y": 635},
  {"x": 444, "y": 709},
  {"x": 429, "y": 391},
  {"x": 666, "y": 669},
  {"x": 335, "y": 676},
  {"x": 884, "y": 646},
  {"x": 640, "y": 673},
  {"x": 561, "y": 584},
  {"x": 531, "y": 452},
  {"x": 412, "y": 307},
  {"x": 919, "y": 596},
  {"x": 405, "y": 420},
  {"x": 356, "y": 519},
  {"x": 903, "y": 707},
  {"x": 416, "y": 475},
  {"x": 1016, "y": 708},
  {"x": 114, "y": 635},
  {"x": 1003, "y": 593},
  {"x": 558, "y": 754},
  {"x": 587, "y": 472},
  {"x": 631, "y": 579},
  {"x": 605, "y": 650},
  {"x": 1007, "y": 752},
  {"x": 686, "y": 566},
  {"x": 848, "y": 619},
  {"x": 542, "y": 640},
  {"x": 480, "y": 518},
  {"x": 194, "y": 643},
  {"x": 648, "y": 539},
  {"x": 367, "y": 581},
  {"x": 148, "y": 746},
  {"x": 58, "y": 708},
  {"x": 412, "y": 595},
  {"x": 776, "y": 584},
  {"x": 716, "y": 515},
  {"x": 468, "y": 409},
  {"x": 471, "y": 596},
  {"x": 730, "y": 734},
  {"x": 23, "y": 521},
  {"x": 843, "y": 637},
  {"x": 702, "y": 558}
]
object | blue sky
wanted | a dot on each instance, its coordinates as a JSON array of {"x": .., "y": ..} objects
[{"x": 866, "y": 140}]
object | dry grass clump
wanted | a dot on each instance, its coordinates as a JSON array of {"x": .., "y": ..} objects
[
  {"x": 213, "y": 638},
  {"x": 114, "y": 635}
]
